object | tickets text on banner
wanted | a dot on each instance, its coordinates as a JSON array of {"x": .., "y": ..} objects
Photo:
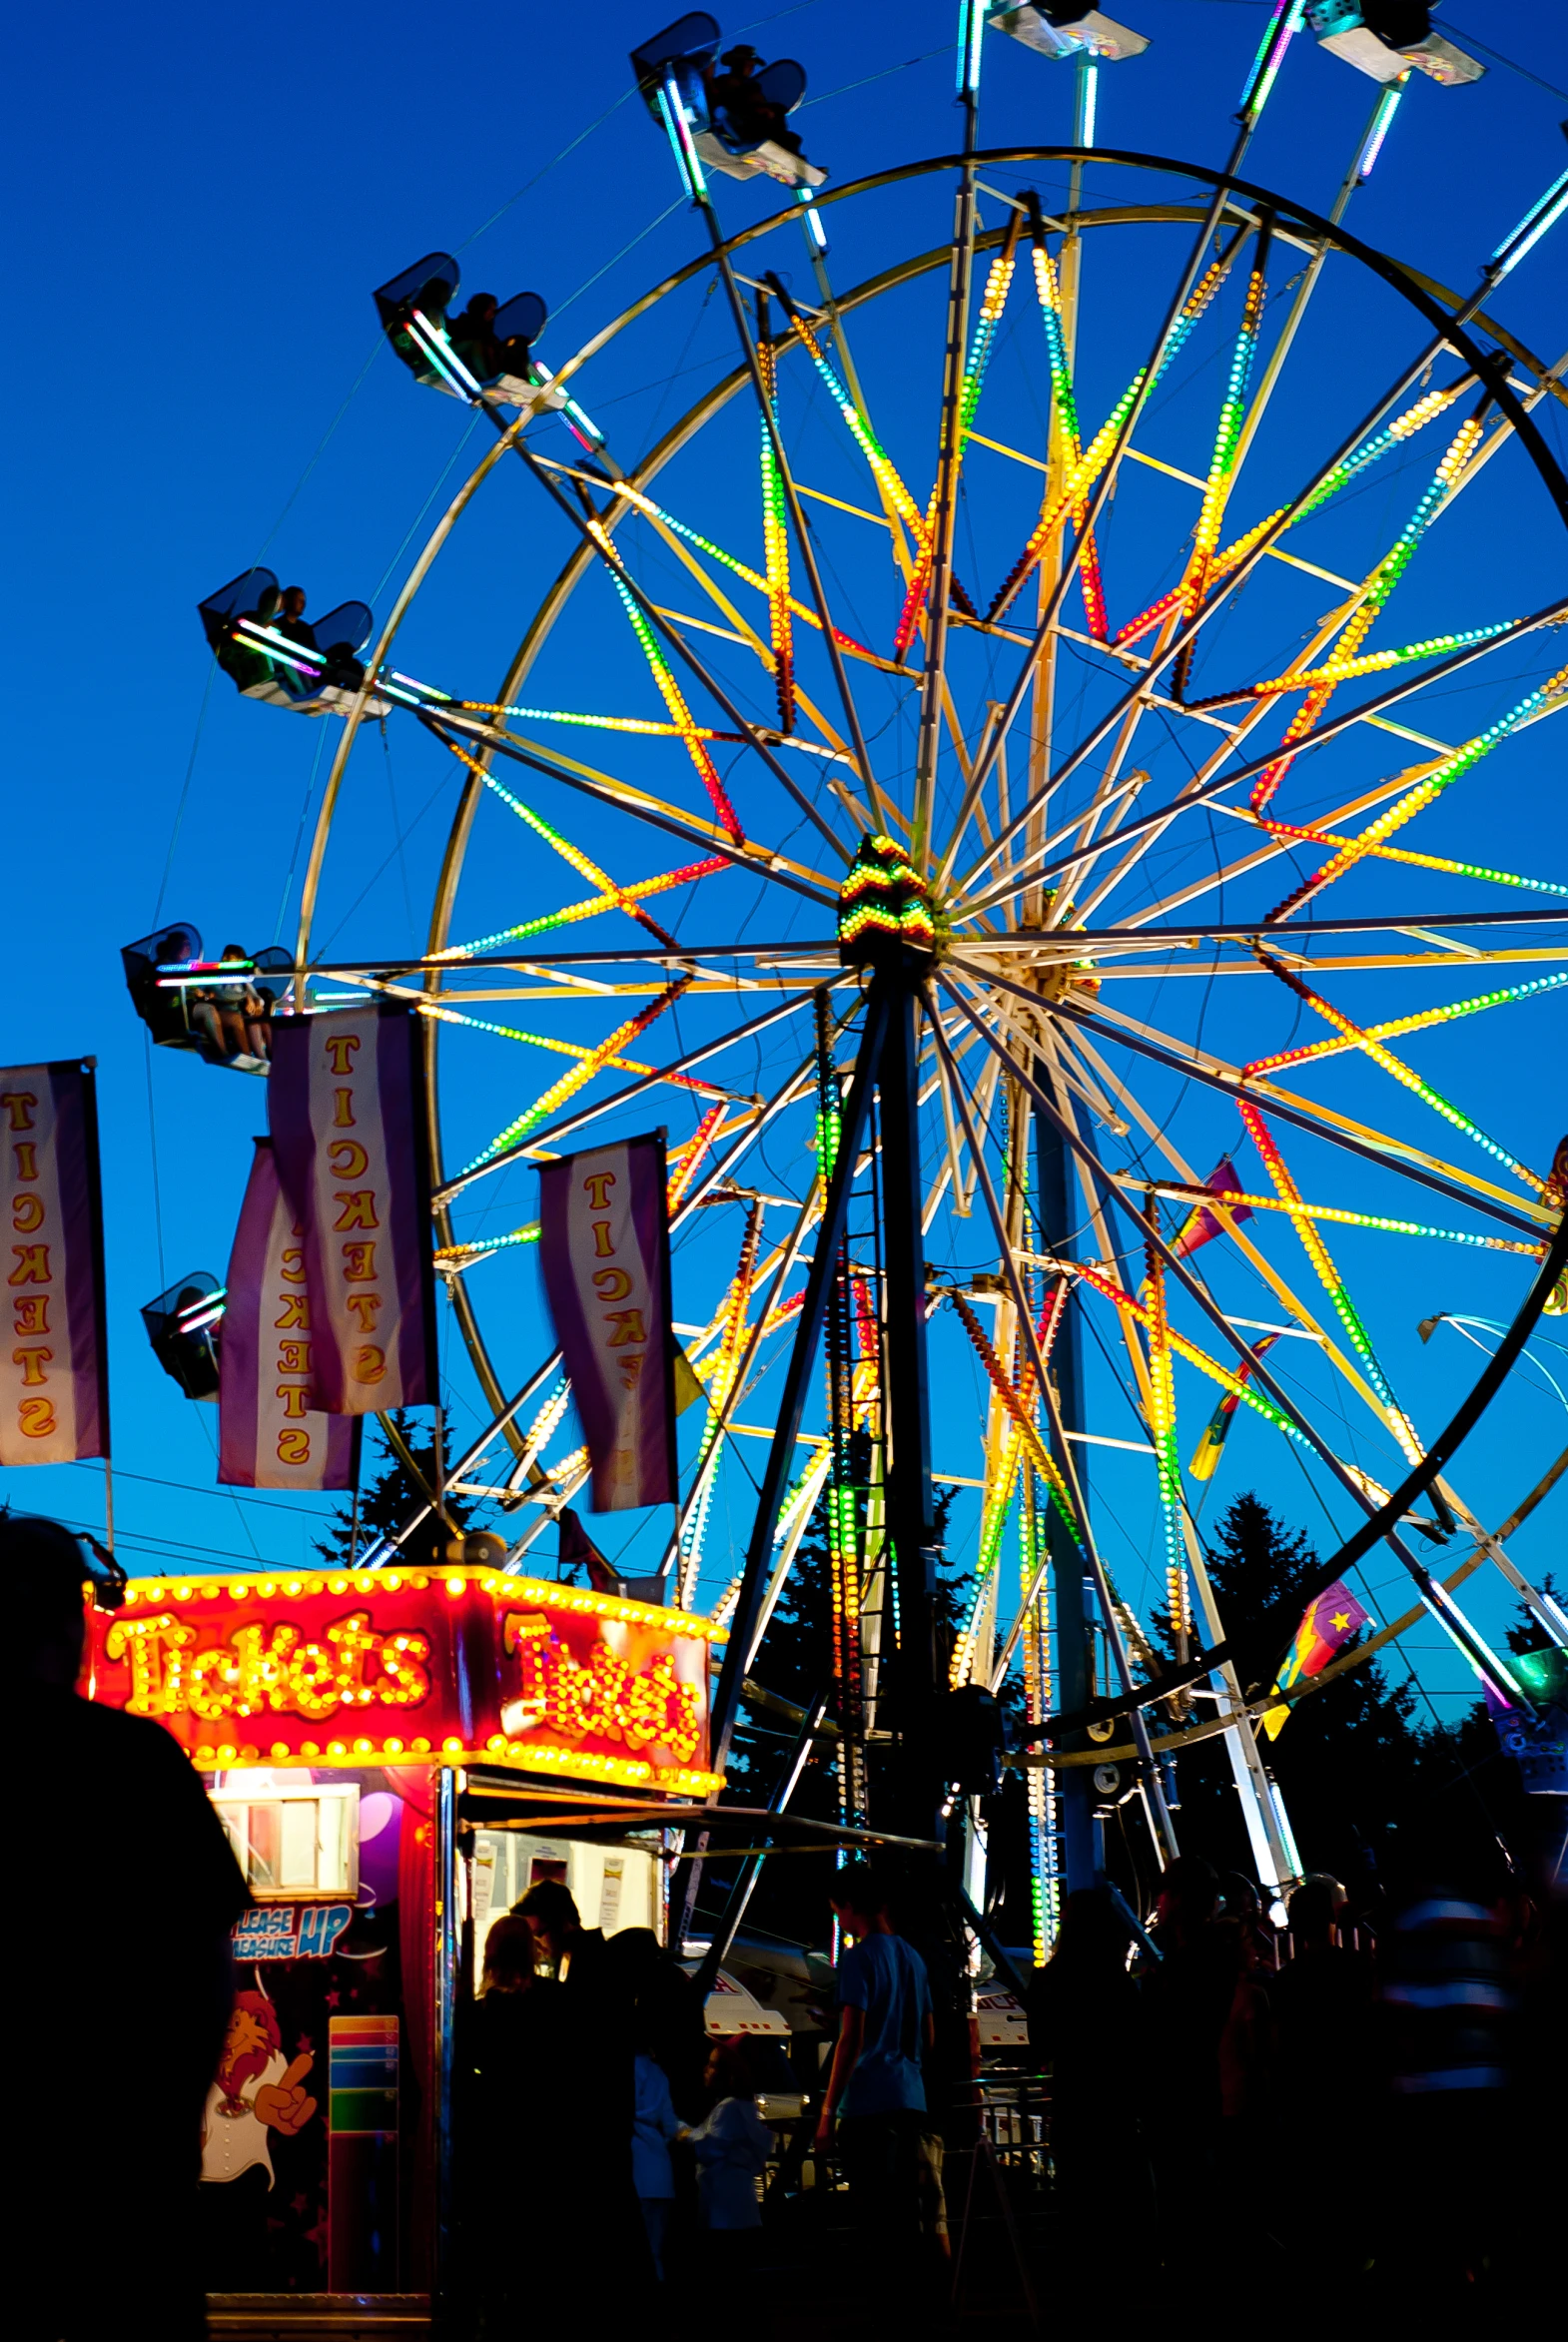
[
  {"x": 54, "y": 1374},
  {"x": 604, "y": 1257},
  {"x": 346, "y": 1111},
  {"x": 270, "y": 1433}
]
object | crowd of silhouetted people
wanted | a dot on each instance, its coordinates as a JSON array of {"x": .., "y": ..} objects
[
  {"x": 1358, "y": 2111},
  {"x": 1364, "y": 2104}
]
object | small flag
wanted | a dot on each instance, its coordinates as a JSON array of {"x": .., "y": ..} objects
[
  {"x": 1327, "y": 1624},
  {"x": 1201, "y": 1224},
  {"x": 1206, "y": 1459}
]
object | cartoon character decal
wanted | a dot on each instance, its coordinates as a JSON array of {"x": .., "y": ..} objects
[{"x": 239, "y": 2115}]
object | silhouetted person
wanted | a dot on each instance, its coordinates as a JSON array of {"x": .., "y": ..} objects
[
  {"x": 1242, "y": 1901},
  {"x": 519, "y": 2109},
  {"x": 1086, "y": 2021},
  {"x": 1186, "y": 2001},
  {"x": 731, "y": 2145},
  {"x": 1325, "y": 2080},
  {"x": 666, "y": 2014},
  {"x": 655, "y": 2129},
  {"x": 290, "y": 619},
  {"x": 231, "y": 1015},
  {"x": 1244, "y": 2218},
  {"x": 130, "y": 1891},
  {"x": 473, "y": 335},
  {"x": 1446, "y": 2015},
  {"x": 751, "y": 115},
  {"x": 601, "y": 2011},
  {"x": 876, "y": 2083}
]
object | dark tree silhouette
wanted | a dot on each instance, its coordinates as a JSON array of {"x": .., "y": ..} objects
[
  {"x": 1347, "y": 1760},
  {"x": 1478, "y": 1820},
  {"x": 388, "y": 1496}
]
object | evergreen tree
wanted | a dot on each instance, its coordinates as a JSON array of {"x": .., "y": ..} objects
[
  {"x": 1478, "y": 1820},
  {"x": 389, "y": 1498},
  {"x": 1348, "y": 1759}
]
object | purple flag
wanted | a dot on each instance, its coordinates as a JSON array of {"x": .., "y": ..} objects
[
  {"x": 345, "y": 1103},
  {"x": 54, "y": 1361},
  {"x": 605, "y": 1251},
  {"x": 1201, "y": 1226},
  {"x": 270, "y": 1431}
]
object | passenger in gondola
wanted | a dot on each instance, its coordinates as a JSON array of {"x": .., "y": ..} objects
[
  {"x": 339, "y": 664},
  {"x": 750, "y": 115},
  {"x": 246, "y": 663},
  {"x": 290, "y": 619},
  {"x": 473, "y": 335},
  {"x": 232, "y": 1017}
]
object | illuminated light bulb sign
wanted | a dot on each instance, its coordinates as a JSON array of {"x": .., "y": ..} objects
[{"x": 470, "y": 1666}]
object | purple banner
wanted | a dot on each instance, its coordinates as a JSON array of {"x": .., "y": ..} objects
[
  {"x": 54, "y": 1362},
  {"x": 270, "y": 1433},
  {"x": 605, "y": 1251},
  {"x": 346, "y": 1102}
]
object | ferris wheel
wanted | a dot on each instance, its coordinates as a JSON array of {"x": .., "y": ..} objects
[{"x": 1012, "y": 777}]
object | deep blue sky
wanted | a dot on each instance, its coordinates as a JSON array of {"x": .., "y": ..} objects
[{"x": 201, "y": 205}]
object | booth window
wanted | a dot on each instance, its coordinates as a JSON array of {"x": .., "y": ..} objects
[{"x": 296, "y": 1843}]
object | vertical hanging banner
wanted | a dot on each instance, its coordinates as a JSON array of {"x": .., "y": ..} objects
[
  {"x": 54, "y": 1360},
  {"x": 604, "y": 1252},
  {"x": 346, "y": 1105},
  {"x": 271, "y": 1434}
]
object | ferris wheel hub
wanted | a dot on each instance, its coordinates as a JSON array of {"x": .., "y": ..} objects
[{"x": 887, "y": 918}]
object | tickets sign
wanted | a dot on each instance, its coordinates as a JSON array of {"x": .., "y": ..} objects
[{"x": 371, "y": 1667}]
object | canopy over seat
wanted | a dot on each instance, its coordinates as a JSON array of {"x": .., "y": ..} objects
[
  {"x": 482, "y": 352},
  {"x": 185, "y": 1327},
  {"x": 734, "y": 106},
  {"x": 309, "y": 666},
  {"x": 223, "y": 1009}
]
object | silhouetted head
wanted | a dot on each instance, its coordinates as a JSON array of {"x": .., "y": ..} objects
[
  {"x": 730, "y": 2071},
  {"x": 234, "y": 952},
  {"x": 1240, "y": 1897},
  {"x": 1314, "y": 1910},
  {"x": 743, "y": 58},
  {"x": 554, "y": 1917},
  {"x": 42, "y": 1569},
  {"x": 511, "y": 1955},
  {"x": 483, "y": 307},
  {"x": 1092, "y": 1933},
  {"x": 1188, "y": 1894},
  {"x": 291, "y": 601},
  {"x": 858, "y": 1898}
]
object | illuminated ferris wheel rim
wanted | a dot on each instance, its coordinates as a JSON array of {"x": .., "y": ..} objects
[
  {"x": 1434, "y": 302},
  {"x": 1243, "y": 204}
]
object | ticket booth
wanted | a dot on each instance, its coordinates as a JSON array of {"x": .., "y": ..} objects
[{"x": 347, "y": 1727}]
